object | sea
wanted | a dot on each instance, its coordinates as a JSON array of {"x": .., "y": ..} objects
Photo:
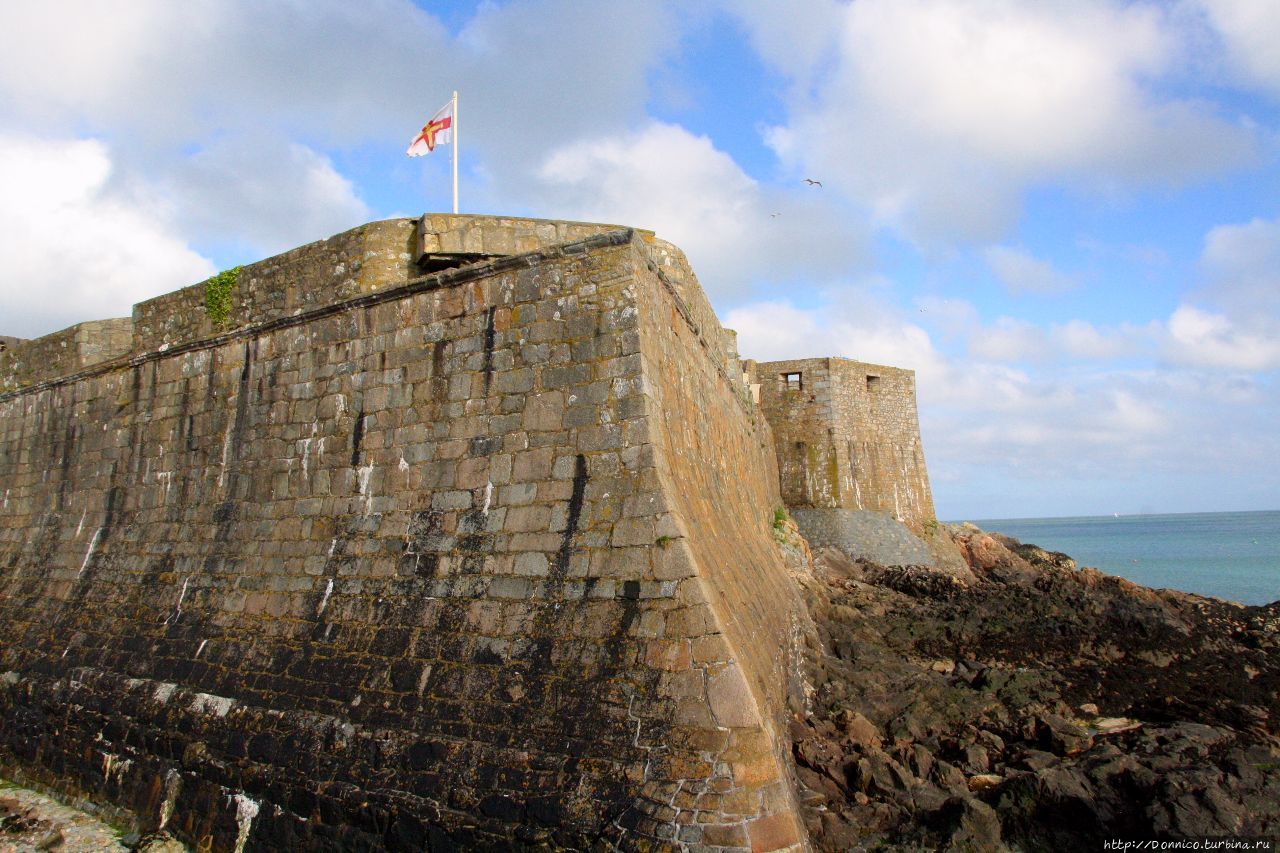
[{"x": 1230, "y": 555}]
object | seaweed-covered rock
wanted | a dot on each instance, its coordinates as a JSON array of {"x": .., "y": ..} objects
[{"x": 1043, "y": 707}]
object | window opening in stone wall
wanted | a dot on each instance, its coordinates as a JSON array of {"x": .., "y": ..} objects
[
  {"x": 873, "y": 383},
  {"x": 794, "y": 381}
]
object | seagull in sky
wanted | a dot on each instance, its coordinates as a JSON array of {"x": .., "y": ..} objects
[
  {"x": 811, "y": 182},
  {"x": 774, "y": 215}
]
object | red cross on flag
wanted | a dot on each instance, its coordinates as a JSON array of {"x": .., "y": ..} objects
[{"x": 438, "y": 131}]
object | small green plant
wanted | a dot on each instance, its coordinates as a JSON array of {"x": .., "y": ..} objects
[
  {"x": 217, "y": 296},
  {"x": 780, "y": 518},
  {"x": 662, "y": 541},
  {"x": 931, "y": 526}
]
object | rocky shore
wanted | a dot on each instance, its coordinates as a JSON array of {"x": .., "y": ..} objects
[{"x": 1035, "y": 706}]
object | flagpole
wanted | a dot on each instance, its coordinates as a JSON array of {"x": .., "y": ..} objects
[{"x": 455, "y": 152}]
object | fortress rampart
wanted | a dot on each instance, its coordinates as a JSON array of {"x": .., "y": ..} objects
[{"x": 373, "y": 559}]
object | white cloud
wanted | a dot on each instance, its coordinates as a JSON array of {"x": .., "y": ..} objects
[
  {"x": 1202, "y": 338},
  {"x": 1020, "y": 271},
  {"x": 1251, "y": 32},
  {"x": 73, "y": 249},
  {"x": 1242, "y": 264},
  {"x": 797, "y": 38},
  {"x": 939, "y": 114},
  {"x": 1080, "y": 339},
  {"x": 1009, "y": 340},
  {"x": 733, "y": 230},
  {"x": 862, "y": 329},
  {"x": 228, "y": 104},
  {"x": 172, "y": 73},
  {"x": 264, "y": 191},
  {"x": 1233, "y": 321},
  {"x": 664, "y": 175},
  {"x": 65, "y": 57}
]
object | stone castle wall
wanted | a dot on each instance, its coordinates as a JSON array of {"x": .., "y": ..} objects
[
  {"x": 847, "y": 436},
  {"x": 480, "y": 558}
]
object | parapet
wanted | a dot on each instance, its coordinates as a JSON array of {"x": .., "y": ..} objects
[
  {"x": 370, "y": 258},
  {"x": 25, "y": 362}
]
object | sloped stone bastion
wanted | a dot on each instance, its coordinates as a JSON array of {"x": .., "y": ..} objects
[{"x": 380, "y": 559}]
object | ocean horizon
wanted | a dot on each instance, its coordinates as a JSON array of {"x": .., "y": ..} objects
[{"x": 1229, "y": 555}]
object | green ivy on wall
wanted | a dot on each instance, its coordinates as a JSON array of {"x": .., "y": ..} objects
[{"x": 217, "y": 296}]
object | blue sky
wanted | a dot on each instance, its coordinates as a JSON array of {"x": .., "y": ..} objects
[{"x": 1065, "y": 216}]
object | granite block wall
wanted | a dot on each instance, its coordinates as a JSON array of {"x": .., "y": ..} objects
[{"x": 452, "y": 563}]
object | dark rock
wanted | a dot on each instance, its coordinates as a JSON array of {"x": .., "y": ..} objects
[
  {"x": 1034, "y": 654},
  {"x": 1061, "y": 735},
  {"x": 967, "y": 824},
  {"x": 950, "y": 777},
  {"x": 921, "y": 761},
  {"x": 1035, "y": 760},
  {"x": 975, "y": 759}
]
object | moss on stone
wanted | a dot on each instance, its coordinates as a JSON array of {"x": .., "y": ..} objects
[{"x": 217, "y": 296}]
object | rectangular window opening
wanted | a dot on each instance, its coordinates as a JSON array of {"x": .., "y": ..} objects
[
  {"x": 873, "y": 383},
  {"x": 794, "y": 381}
]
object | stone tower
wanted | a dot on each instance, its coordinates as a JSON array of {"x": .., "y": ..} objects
[{"x": 847, "y": 437}]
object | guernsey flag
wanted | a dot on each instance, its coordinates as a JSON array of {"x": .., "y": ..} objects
[{"x": 438, "y": 131}]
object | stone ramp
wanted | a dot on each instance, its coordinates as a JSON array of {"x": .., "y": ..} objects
[
  {"x": 477, "y": 559},
  {"x": 877, "y": 538}
]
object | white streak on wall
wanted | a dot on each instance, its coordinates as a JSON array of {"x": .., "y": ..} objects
[
  {"x": 226, "y": 451},
  {"x": 324, "y": 601},
  {"x": 177, "y": 608},
  {"x": 363, "y": 473},
  {"x": 88, "y": 555}
]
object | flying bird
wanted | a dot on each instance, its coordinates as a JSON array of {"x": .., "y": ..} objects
[
  {"x": 811, "y": 182},
  {"x": 774, "y": 215}
]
